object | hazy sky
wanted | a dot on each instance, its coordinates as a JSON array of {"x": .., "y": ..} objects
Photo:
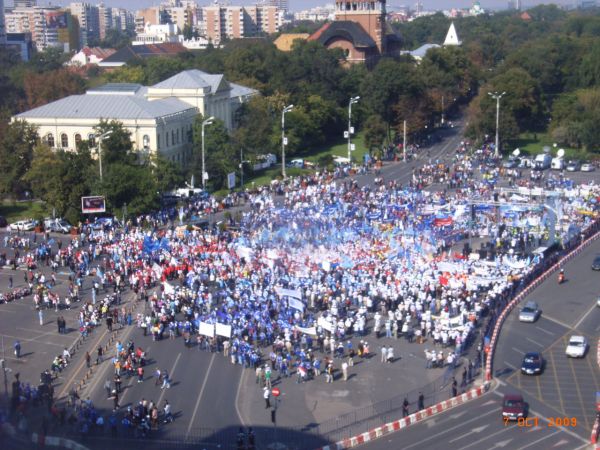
[{"x": 297, "y": 5}]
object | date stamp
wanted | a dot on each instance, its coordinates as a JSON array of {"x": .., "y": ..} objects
[{"x": 551, "y": 422}]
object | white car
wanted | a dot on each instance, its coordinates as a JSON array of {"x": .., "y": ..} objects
[
  {"x": 530, "y": 312},
  {"x": 576, "y": 347},
  {"x": 598, "y": 302},
  {"x": 587, "y": 167},
  {"x": 23, "y": 225}
]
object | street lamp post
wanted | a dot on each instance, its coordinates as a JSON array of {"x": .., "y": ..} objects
[
  {"x": 204, "y": 174},
  {"x": 443, "y": 109},
  {"x": 352, "y": 101},
  {"x": 100, "y": 138},
  {"x": 497, "y": 97},
  {"x": 287, "y": 109}
]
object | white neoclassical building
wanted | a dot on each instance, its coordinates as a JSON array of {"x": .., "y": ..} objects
[{"x": 159, "y": 117}]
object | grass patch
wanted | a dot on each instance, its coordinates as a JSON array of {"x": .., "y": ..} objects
[
  {"x": 533, "y": 143},
  {"x": 339, "y": 148},
  {"x": 14, "y": 211}
]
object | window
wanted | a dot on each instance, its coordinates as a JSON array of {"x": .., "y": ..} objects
[
  {"x": 172, "y": 137},
  {"x": 92, "y": 139},
  {"x": 146, "y": 141},
  {"x": 77, "y": 140},
  {"x": 50, "y": 139},
  {"x": 64, "y": 140}
]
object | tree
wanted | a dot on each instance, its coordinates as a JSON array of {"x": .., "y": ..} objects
[
  {"x": 168, "y": 175},
  {"x": 49, "y": 86},
  {"x": 374, "y": 133},
  {"x": 133, "y": 186},
  {"x": 117, "y": 147},
  {"x": 220, "y": 156},
  {"x": 16, "y": 154},
  {"x": 61, "y": 178}
]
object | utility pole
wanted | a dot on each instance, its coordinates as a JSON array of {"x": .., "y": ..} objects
[
  {"x": 497, "y": 97},
  {"x": 286, "y": 110},
  {"x": 404, "y": 141},
  {"x": 352, "y": 101}
]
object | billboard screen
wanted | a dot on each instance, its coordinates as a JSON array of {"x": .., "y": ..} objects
[{"x": 90, "y": 205}]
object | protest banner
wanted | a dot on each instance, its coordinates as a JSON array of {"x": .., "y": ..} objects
[
  {"x": 223, "y": 330},
  {"x": 207, "y": 329}
]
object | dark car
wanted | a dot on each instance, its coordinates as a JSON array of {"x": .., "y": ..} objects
[
  {"x": 596, "y": 263},
  {"x": 532, "y": 364},
  {"x": 513, "y": 407},
  {"x": 3, "y": 222}
]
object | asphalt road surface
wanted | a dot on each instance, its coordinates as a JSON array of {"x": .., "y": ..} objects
[{"x": 478, "y": 425}]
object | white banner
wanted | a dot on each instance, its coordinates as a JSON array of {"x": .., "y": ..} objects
[
  {"x": 288, "y": 292},
  {"x": 296, "y": 304},
  {"x": 325, "y": 324},
  {"x": 231, "y": 180},
  {"x": 157, "y": 270},
  {"x": 169, "y": 289},
  {"x": 207, "y": 329},
  {"x": 223, "y": 330},
  {"x": 312, "y": 330}
]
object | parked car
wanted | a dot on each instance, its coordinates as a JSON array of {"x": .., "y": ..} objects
[
  {"x": 532, "y": 364},
  {"x": 576, "y": 347},
  {"x": 526, "y": 163},
  {"x": 530, "y": 312},
  {"x": 596, "y": 263},
  {"x": 511, "y": 163},
  {"x": 513, "y": 407},
  {"x": 296, "y": 163},
  {"x": 3, "y": 222},
  {"x": 57, "y": 225},
  {"x": 24, "y": 225},
  {"x": 587, "y": 167},
  {"x": 573, "y": 166}
]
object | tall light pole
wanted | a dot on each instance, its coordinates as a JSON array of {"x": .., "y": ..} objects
[
  {"x": 287, "y": 109},
  {"x": 352, "y": 101},
  {"x": 204, "y": 174},
  {"x": 100, "y": 138},
  {"x": 497, "y": 97},
  {"x": 443, "y": 109}
]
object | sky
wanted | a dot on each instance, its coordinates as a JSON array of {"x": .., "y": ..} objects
[{"x": 297, "y": 5}]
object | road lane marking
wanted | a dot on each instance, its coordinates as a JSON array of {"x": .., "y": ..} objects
[
  {"x": 561, "y": 323},
  {"x": 592, "y": 369},
  {"x": 170, "y": 377},
  {"x": 575, "y": 382},
  {"x": 518, "y": 351},
  {"x": 189, "y": 428},
  {"x": 539, "y": 440},
  {"x": 433, "y": 436},
  {"x": 473, "y": 430},
  {"x": 587, "y": 313},
  {"x": 565, "y": 430},
  {"x": 543, "y": 330},
  {"x": 237, "y": 398},
  {"x": 558, "y": 390},
  {"x": 22, "y": 339},
  {"x": 534, "y": 342},
  {"x": 504, "y": 428}
]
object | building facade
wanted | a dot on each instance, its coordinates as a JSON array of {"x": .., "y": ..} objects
[
  {"x": 160, "y": 117},
  {"x": 88, "y": 17},
  {"x": 2, "y": 24}
]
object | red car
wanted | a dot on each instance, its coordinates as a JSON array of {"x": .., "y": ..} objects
[{"x": 513, "y": 407}]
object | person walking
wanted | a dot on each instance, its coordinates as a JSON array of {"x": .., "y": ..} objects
[
  {"x": 266, "y": 396},
  {"x": 166, "y": 380},
  {"x": 384, "y": 354},
  {"x": 421, "y": 401},
  {"x": 345, "y": 370},
  {"x": 17, "y": 347},
  {"x": 140, "y": 373},
  {"x": 108, "y": 388},
  {"x": 100, "y": 352},
  {"x": 115, "y": 400},
  {"x": 41, "y": 316},
  {"x": 10, "y": 282},
  {"x": 167, "y": 412},
  {"x": 454, "y": 387},
  {"x": 88, "y": 359}
]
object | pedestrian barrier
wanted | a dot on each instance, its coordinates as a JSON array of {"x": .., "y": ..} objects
[
  {"x": 417, "y": 417},
  {"x": 521, "y": 295}
]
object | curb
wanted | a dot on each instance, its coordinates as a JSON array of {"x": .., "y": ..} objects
[
  {"x": 53, "y": 441},
  {"x": 417, "y": 417}
]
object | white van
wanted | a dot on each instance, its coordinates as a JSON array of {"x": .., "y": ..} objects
[
  {"x": 558, "y": 163},
  {"x": 543, "y": 161}
]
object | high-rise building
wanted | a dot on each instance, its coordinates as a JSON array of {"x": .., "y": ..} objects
[
  {"x": 105, "y": 20},
  {"x": 89, "y": 21},
  {"x": 49, "y": 26},
  {"x": 218, "y": 23},
  {"x": 282, "y": 5},
  {"x": 123, "y": 19},
  {"x": 2, "y": 24},
  {"x": 24, "y": 3},
  {"x": 148, "y": 16}
]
